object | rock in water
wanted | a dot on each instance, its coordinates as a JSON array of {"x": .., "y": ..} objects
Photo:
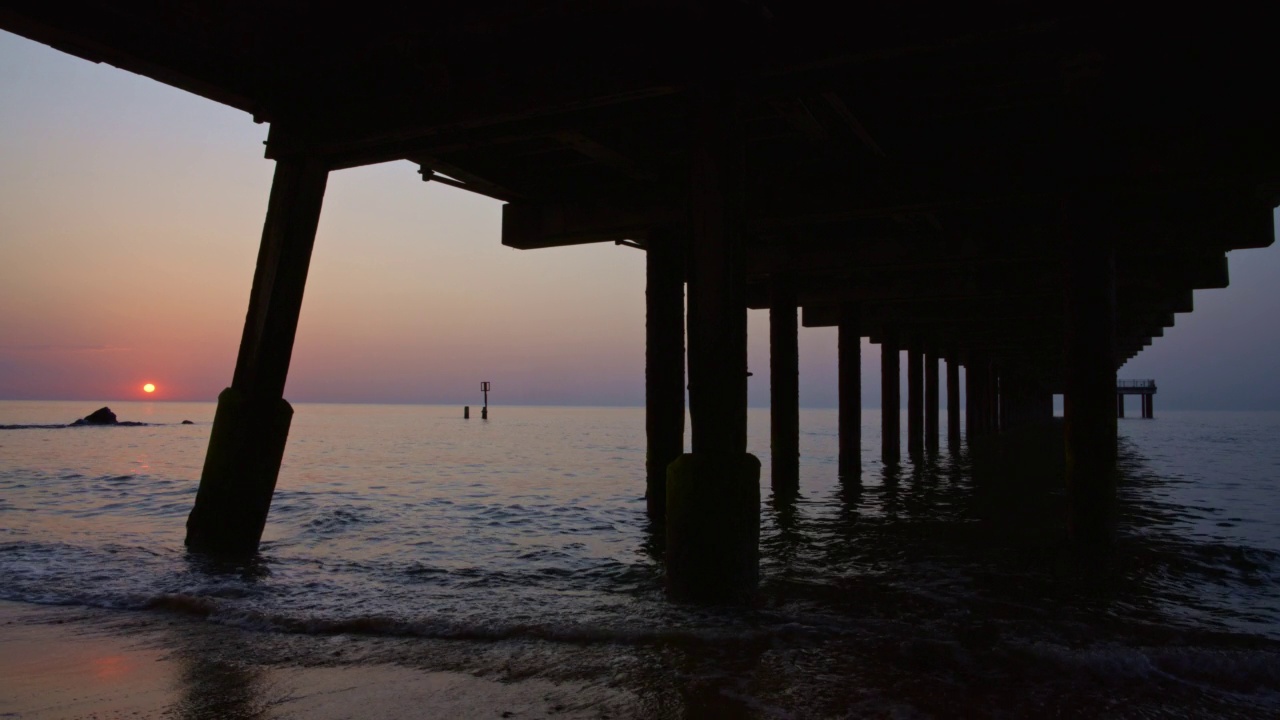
[
  {"x": 187, "y": 422},
  {"x": 102, "y": 416}
]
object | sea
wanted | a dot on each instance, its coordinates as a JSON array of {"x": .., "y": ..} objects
[{"x": 518, "y": 547}]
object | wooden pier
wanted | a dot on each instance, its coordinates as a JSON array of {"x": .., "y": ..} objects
[
  {"x": 1030, "y": 191},
  {"x": 1146, "y": 389}
]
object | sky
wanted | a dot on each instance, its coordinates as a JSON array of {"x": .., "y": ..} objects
[{"x": 130, "y": 216}]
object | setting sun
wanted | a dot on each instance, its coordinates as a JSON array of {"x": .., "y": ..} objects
[{"x": 148, "y": 388}]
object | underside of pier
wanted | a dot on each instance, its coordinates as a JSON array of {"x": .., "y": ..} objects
[{"x": 1032, "y": 190}]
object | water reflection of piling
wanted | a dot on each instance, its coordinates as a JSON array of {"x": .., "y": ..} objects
[
  {"x": 789, "y": 538},
  {"x": 212, "y": 687}
]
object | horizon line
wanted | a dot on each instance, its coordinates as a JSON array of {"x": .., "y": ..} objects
[{"x": 214, "y": 401}]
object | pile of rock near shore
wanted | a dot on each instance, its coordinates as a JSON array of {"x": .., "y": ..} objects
[{"x": 104, "y": 416}]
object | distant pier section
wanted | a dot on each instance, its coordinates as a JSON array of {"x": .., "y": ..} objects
[{"x": 1146, "y": 389}]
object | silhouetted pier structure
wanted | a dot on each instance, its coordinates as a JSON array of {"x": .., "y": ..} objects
[
  {"x": 1145, "y": 389},
  {"x": 1029, "y": 191}
]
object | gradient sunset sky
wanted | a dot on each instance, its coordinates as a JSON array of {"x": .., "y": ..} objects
[{"x": 130, "y": 215}]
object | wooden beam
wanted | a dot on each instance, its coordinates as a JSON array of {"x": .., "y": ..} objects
[
  {"x": 540, "y": 225},
  {"x": 604, "y": 154},
  {"x": 462, "y": 179},
  {"x": 800, "y": 118}
]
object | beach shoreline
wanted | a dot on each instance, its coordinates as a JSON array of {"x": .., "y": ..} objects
[{"x": 60, "y": 663}]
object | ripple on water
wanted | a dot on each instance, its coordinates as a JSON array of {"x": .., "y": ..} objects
[{"x": 907, "y": 578}]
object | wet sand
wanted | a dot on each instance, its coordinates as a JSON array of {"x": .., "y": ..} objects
[{"x": 55, "y": 665}]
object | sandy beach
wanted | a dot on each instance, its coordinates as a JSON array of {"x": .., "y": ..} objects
[{"x": 57, "y": 663}]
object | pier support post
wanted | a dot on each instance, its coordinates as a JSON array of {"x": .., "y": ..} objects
[
  {"x": 1006, "y": 399},
  {"x": 977, "y": 374},
  {"x": 251, "y": 424},
  {"x": 664, "y": 363},
  {"x": 970, "y": 397},
  {"x": 915, "y": 401},
  {"x": 1120, "y": 405},
  {"x": 890, "y": 400},
  {"x": 931, "y": 402},
  {"x": 784, "y": 384},
  {"x": 1005, "y": 389},
  {"x": 713, "y": 494},
  {"x": 849, "y": 353},
  {"x": 953, "y": 402},
  {"x": 1090, "y": 388},
  {"x": 993, "y": 398}
]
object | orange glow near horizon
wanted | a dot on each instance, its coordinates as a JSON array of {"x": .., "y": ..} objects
[{"x": 148, "y": 388}]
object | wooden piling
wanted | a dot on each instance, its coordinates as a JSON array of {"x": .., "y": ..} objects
[
  {"x": 970, "y": 398},
  {"x": 251, "y": 424},
  {"x": 849, "y": 361},
  {"x": 717, "y": 284},
  {"x": 1090, "y": 359},
  {"x": 890, "y": 401},
  {"x": 977, "y": 374},
  {"x": 993, "y": 398},
  {"x": 953, "y": 402},
  {"x": 713, "y": 494},
  {"x": 664, "y": 363},
  {"x": 784, "y": 383},
  {"x": 931, "y": 402},
  {"x": 915, "y": 401}
]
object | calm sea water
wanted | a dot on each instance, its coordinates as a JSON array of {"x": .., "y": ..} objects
[{"x": 519, "y": 547}]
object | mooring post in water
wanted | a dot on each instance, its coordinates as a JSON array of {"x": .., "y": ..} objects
[
  {"x": 890, "y": 400},
  {"x": 784, "y": 383},
  {"x": 466, "y": 412},
  {"x": 484, "y": 411},
  {"x": 251, "y": 423},
  {"x": 663, "y": 362},
  {"x": 713, "y": 493},
  {"x": 849, "y": 368}
]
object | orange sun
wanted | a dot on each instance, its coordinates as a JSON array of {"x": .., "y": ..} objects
[{"x": 148, "y": 388}]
